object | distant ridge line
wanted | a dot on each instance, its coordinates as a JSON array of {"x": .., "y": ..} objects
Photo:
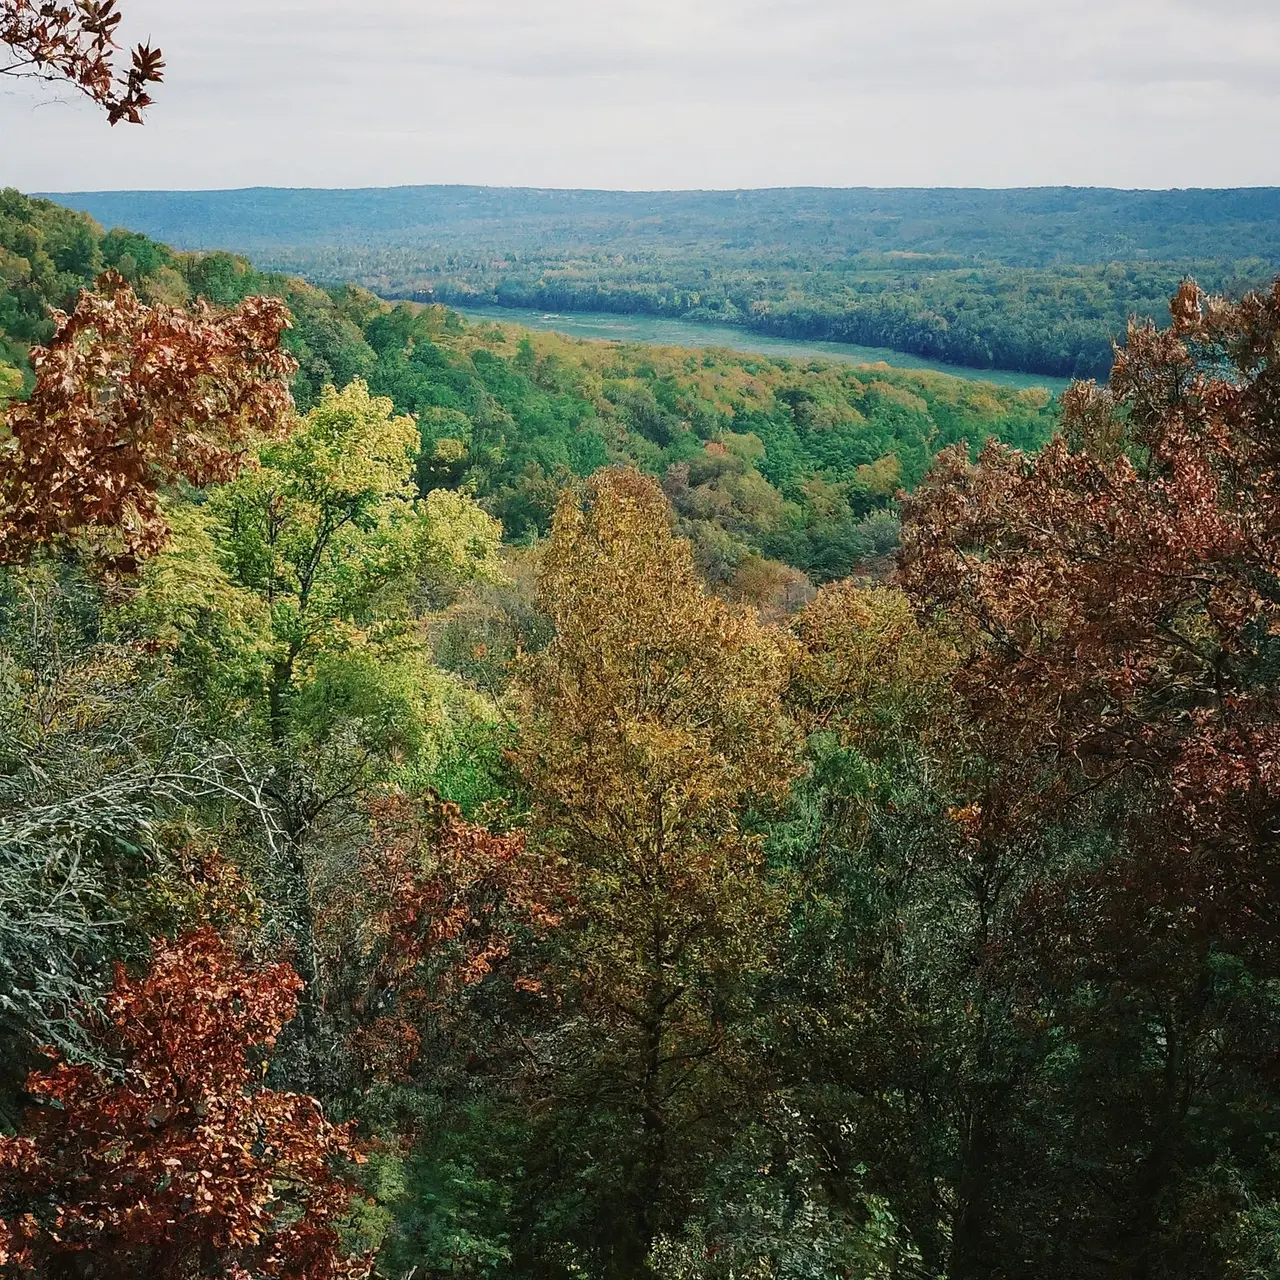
[
  {"x": 629, "y": 191},
  {"x": 1010, "y": 225}
]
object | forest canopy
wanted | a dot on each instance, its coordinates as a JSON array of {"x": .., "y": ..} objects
[
  {"x": 783, "y": 461},
  {"x": 484, "y": 806}
]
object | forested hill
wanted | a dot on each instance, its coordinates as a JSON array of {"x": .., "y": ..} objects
[
  {"x": 1039, "y": 280},
  {"x": 1026, "y": 227},
  {"x": 630, "y": 901},
  {"x": 778, "y": 469}
]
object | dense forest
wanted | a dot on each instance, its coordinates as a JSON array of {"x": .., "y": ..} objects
[
  {"x": 1038, "y": 280},
  {"x": 772, "y": 464},
  {"x": 481, "y": 806}
]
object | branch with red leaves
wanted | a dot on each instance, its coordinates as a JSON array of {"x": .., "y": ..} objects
[
  {"x": 76, "y": 43},
  {"x": 442, "y": 901},
  {"x": 129, "y": 398}
]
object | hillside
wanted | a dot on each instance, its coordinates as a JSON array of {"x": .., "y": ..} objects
[
  {"x": 768, "y": 462},
  {"x": 790, "y": 461},
  {"x": 48, "y": 253},
  {"x": 1031, "y": 227},
  {"x": 1039, "y": 280},
  {"x": 640, "y": 735}
]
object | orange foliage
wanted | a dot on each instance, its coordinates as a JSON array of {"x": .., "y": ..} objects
[
  {"x": 181, "y": 1164},
  {"x": 129, "y": 398},
  {"x": 445, "y": 901},
  {"x": 863, "y": 653},
  {"x": 1121, "y": 598},
  {"x": 776, "y": 590}
]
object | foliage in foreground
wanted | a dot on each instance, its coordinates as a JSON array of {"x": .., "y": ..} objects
[
  {"x": 75, "y": 44},
  {"x": 184, "y": 1164},
  {"x": 129, "y": 398}
]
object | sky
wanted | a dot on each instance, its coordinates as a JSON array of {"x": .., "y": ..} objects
[{"x": 653, "y": 94}]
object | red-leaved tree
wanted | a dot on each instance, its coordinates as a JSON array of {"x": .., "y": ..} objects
[
  {"x": 181, "y": 1164},
  {"x": 76, "y": 43},
  {"x": 1117, "y": 602},
  {"x": 129, "y": 398},
  {"x": 439, "y": 906},
  {"x": 1122, "y": 592}
]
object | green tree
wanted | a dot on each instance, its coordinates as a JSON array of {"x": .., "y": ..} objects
[{"x": 290, "y": 600}]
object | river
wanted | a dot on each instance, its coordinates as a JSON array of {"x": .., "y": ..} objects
[{"x": 662, "y": 332}]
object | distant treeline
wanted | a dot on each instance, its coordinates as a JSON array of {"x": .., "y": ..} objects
[
  {"x": 1040, "y": 280},
  {"x": 1056, "y": 322}
]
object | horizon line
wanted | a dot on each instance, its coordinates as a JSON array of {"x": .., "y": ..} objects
[{"x": 643, "y": 191}]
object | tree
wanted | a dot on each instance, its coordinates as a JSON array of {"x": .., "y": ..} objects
[
  {"x": 111, "y": 803},
  {"x": 183, "y": 1164},
  {"x": 290, "y": 602},
  {"x": 75, "y": 43},
  {"x": 1117, "y": 597},
  {"x": 429, "y": 942},
  {"x": 885, "y": 1013},
  {"x": 329, "y": 534},
  {"x": 438, "y": 904},
  {"x": 1122, "y": 575},
  {"x": 652, "y": 724},
  {"x": 129, "y": 398}
]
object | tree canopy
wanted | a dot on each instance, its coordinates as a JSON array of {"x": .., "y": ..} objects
[{"x": 480, "y": 805}]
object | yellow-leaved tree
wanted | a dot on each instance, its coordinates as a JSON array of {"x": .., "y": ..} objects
[
  {"x": 10, "y": 383},
  {"x": 653, "y": 726}
]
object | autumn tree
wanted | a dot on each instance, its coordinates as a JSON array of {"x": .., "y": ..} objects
[
  {"x": 1122, "y": 575},
  {"x": 328, "y": 537},
  {"x": 434, "y": 907},
  {"x": 289, "y": 604},
  {"x": 652, "y": 725},
  {"x": 183, "y": 1164},
  {"x": 128, "y": 399},
  {"x": 75, "y": 43},
  {"x": 111, "y": 799},
  {"x": 1117, "y": 598},
  {"x": 882, "y": 1015}
]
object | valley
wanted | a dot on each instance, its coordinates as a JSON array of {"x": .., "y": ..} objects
[
  {"x": 663, "y": 332},
  {"x": 1037, "y": 281}
]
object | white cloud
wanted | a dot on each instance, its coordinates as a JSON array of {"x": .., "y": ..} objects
[{"x": 679, "y": 93}]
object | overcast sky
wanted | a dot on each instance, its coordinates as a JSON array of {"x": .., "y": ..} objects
[{"x": 678, "y": 93}]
